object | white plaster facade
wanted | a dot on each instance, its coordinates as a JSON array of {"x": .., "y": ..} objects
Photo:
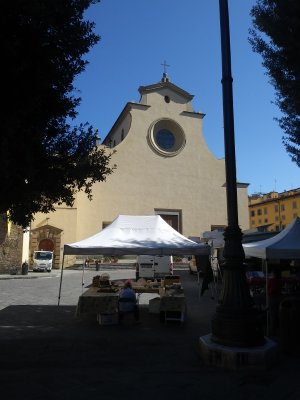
[{"x": 178, "y": 175}]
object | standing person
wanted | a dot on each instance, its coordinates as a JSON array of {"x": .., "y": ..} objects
[
  {"x": 275, "y": 297},
  {"x": 128, "y": 302},
  {"x": 208, "y": 275}
]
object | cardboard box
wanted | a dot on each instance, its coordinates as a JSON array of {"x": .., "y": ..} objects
[
  {"x": 170, "y": 279},
  {"x": 108, "y": 319}
]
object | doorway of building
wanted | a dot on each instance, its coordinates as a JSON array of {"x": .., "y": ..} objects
[
  {"x": 172, "y": 217},
  {"x": 46, "y": 244}
]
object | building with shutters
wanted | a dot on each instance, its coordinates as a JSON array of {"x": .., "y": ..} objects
[{"x": 274, "y": 211}]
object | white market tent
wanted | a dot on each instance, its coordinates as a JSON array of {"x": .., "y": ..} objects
[
  {"x": 135, "y": 235},
  {"x": 129, "y": 234},
  {"x": 284, "y": 245}
]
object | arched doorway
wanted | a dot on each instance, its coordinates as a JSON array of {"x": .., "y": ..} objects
[
  {"x": 46, "y": 244},
  {"x": 47, "y": 238}
]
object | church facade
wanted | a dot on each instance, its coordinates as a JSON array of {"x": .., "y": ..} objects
[{"x": 163, "y": 167}]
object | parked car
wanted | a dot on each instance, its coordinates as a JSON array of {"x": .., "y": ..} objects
[{"x": 42, "y": 260}]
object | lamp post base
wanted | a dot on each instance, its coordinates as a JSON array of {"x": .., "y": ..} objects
[
  {"x": 237, "y": 358},
  {"x": 236, "y": 330},
  {"x": 236, "y": 321}
]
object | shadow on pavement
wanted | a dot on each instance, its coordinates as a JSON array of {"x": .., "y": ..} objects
[{"x": 47, "y": 353}]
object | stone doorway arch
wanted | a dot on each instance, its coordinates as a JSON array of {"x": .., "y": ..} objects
[{"x": 47, "y": 237}]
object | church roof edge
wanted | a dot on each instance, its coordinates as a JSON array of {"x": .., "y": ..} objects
[
  {"x": 194, "y": 113},
  {"x": 125, "y": 110},
  {"x": 239, "y": 184},
  {"x": 165, "y": 84}
]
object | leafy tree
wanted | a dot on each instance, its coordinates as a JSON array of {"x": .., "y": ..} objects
[
  {"x": 276, "y": 36},
  {"x": 43, "y": 159}
]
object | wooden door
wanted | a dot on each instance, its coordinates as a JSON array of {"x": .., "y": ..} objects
[
  {"x": 172, "y": 220},
  {"x": 46, "y": 244}
]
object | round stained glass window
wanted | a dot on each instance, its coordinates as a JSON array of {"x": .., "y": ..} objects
[{"x": 165, "y": 139}]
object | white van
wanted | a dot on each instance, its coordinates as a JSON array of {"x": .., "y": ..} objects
[
  {"x": 151, "y": 267},
  {"x": 42, "y": 260}
]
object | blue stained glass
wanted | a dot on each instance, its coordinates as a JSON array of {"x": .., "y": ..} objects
[{"x": 165, "y": 139}]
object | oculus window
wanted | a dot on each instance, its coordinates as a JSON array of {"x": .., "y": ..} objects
[{"x": 166, "y": 137}]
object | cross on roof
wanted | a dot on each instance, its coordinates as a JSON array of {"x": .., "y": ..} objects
[{"x": 165, "y": 65}]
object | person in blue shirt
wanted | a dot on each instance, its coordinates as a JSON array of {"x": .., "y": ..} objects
[{"x": 128, "y": 302}]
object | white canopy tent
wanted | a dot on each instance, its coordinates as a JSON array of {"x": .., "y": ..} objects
[
  {"x": 135, "y": 235},
  {"x": 129, "y": 234},
  {"x": 284, "y": 245}
]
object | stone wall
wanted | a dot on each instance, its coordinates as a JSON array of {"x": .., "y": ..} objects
[{"x": 11, "y": 242}]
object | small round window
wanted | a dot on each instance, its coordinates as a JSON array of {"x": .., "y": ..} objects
[{"x": 166, "y": 137}]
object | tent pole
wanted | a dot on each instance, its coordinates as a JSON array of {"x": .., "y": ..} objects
[
  {"x": 61, "y": 275},
  {"x": 267, "y": 297},
  {"x": 82, "y": 279}
]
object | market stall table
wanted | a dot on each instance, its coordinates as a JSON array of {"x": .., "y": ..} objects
[
  {"x": 103, "y": 301},
  {"x": 173, "y": 305},
  {"x": 94, "y": 301}
]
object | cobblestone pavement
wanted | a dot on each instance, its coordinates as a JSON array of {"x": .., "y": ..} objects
[
  {"x": 43, "y": 288},
  {"x": 47, "y": 353}
]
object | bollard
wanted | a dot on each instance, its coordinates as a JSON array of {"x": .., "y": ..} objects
[{"x": 24, "y": 268}]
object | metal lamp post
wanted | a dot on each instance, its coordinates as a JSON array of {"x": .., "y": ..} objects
[{"x": 236, "y": 321}]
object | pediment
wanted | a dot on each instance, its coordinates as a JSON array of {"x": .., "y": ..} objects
[
  {"x": 157, "y": 87},
  {"x": 47, "y": 227}
]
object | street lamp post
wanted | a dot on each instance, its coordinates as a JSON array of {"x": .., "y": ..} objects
[{"x": 236, "y": 321}]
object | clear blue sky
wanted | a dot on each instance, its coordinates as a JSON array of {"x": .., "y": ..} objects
[{"x": 138, "y": 35}]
